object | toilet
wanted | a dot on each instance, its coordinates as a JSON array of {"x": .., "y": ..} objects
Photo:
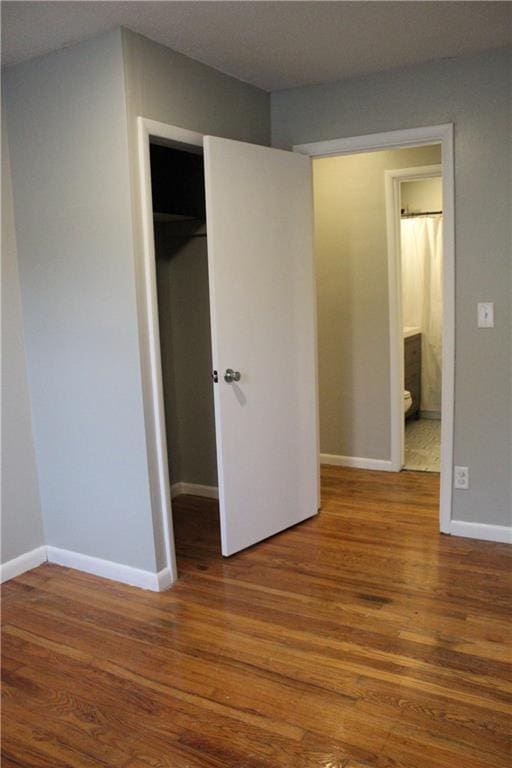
[{"x": 407, "y": 401}]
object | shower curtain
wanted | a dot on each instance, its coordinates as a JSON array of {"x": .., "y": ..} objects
[{"x": 422, "y": 265}]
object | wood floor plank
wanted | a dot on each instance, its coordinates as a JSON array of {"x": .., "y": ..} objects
[{"x": 361, "y": 638}]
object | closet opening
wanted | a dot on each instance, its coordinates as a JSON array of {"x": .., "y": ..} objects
[{"x": 180, "y": 237}]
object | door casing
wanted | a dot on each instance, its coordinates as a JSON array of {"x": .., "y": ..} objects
[{"x": 149, "y": 332}]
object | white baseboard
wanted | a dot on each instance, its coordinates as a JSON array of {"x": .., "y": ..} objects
[
  {"x": 354, "y": 461},
  {"x": 164, "y": 580},
  {"x": 501, "y": 533},
  {"x": 107, "y": 569},
  {"x": 158, "y": 582},
  {"x": 22, "y": 563},
  {"x": 194, "y": 489}
]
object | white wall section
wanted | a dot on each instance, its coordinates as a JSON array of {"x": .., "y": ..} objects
[{"x": 423, "y": 195}]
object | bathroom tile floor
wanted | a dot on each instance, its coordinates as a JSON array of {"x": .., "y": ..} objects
[{"x": 422, "y": 445}]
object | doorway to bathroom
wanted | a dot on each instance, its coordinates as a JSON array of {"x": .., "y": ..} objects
[
  {"x": 355, "y": 300},
  {"x": 361, "y": 338},
  {"x": 420, "y": 263}
]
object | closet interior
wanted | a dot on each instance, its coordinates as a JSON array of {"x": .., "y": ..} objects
[{"x": 179, "y": 216}]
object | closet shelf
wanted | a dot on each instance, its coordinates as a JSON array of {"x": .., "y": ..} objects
[{"x": 163, "y": 217}]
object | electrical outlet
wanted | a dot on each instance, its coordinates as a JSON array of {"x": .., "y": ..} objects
[{"x": 462, "y": 478}]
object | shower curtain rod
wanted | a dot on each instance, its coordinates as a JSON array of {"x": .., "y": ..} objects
[{"x": 423, "y": 213}]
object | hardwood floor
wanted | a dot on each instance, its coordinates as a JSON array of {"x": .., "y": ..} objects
[{"x": 358, "y": 638}]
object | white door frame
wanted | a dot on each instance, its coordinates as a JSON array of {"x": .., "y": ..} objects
[
  {"x": 392, "y": 181},
  {"x": 150, "y": 339},
  {"x": 417, "y": 137}
]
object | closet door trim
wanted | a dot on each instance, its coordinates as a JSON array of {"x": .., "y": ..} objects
[{"x": 149, "y": 334}]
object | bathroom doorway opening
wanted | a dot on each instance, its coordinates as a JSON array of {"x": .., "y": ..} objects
[
  {"x": 360, "y": 324},
  {"x": 354, "y": 300},
  {"x": 420, "y": 264}
]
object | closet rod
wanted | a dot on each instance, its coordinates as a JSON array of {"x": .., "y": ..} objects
[
  {"x": 177, "y": 234},
  {"x": 423, "y": 213}
]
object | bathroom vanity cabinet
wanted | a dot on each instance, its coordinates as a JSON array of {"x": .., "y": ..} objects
[{"x": 412, "y": 372}]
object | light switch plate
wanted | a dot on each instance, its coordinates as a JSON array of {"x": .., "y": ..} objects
[{"x": 486, "y": 314}]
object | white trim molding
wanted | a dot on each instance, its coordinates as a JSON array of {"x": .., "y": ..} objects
[
  {"x": 483, "y": 531},
  {"x": 194, "y": 489},
  {"x": 150, "y": 338},
  {"x": 148, "y": 308},
  {"x": 418, "y": 137},
  {"x": 23, "y": 563},
  {"x": 107, "y": 569},
  {"x": 409, "y": 137},
  {"x": 383, "y": 465}
]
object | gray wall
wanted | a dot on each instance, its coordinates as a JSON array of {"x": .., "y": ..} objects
[
  {"x": 22, "y": 525},
  {"x": 353, "y": 307},
  {"x": 475, "y": 94},
  {"x": 184, "y": 310},
  {"x": 66, "y": 115},
  {"x": 167, "y": 86}
]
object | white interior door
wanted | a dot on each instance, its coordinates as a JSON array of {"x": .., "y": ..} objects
[{"x": 263, "y": 317}]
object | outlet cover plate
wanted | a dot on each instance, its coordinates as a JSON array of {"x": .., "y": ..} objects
[{"x": 461, "y": 476}]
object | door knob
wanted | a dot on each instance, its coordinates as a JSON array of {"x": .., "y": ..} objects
[{"x": 231, "y": 375}]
